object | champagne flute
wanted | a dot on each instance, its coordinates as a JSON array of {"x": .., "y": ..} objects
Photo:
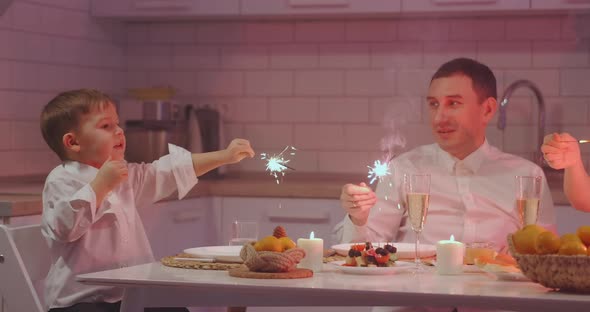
[
  {"x": 528, "y": 197},
  {"x": 417, "y": 189}
]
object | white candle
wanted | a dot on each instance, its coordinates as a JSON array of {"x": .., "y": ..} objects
[
  {"x": 314, "y": 253},
  {"x": 449, "y": 256}
]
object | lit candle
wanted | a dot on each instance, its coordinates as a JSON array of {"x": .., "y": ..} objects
[
  {"x": 314, "y": 253},
  {"x": 449, "y": 256}
]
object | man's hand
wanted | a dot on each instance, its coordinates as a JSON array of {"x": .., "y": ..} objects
[
  {"x": 237, "y": 150},
  {"x": 109, "y": 176},
  {"x": 561, "y": 150},
  {"x": 357, "y": 201}
]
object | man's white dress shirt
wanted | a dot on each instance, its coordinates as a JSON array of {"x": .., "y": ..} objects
[
  {"x": 83, "y": 238},
  {"x": 473, "y": 199}
]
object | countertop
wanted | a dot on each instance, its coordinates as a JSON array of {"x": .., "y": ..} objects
[{"x": 22, "y": 196}]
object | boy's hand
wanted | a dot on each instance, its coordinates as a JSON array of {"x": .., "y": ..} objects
[
  {"x": 111, "y": 174},
  {"x": 561, "y": 150},
  {"x": 357, "y": 201},
  {"x": 237, "y": 150}
]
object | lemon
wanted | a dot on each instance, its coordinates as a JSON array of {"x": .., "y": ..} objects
[
  {"x": 570, "y": 237},
  {"x": 269, "y": 243},
  {"x": 573, "y": 248},
  {"x": 286, "y": 243},
  {"x": 584, "y": 234},
  {"x": 525, "y": 238},
  {"x": 547, "y": 243}
]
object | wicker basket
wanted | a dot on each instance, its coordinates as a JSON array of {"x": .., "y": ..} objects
[
  {"x": 270, "y": 261},
  {"x": 565, "y": 273}
]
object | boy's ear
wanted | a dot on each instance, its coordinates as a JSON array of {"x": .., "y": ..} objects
[{"x": 70, "y": 142}]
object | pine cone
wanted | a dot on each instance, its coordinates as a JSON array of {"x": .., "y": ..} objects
[{"x": 279, "y": 232}]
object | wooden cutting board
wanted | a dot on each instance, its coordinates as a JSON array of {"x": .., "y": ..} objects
[{"x": 243, "y": 272}]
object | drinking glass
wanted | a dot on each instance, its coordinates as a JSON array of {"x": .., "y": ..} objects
[
  {"x": 243, "y": 232},
  {"x": 528, "y": 197},
  {"x": 417, "y": 189}
]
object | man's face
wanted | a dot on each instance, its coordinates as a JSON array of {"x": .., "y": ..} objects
[
  {"x": 457, "y": 117},
  {"x": 100, "y": 137}
]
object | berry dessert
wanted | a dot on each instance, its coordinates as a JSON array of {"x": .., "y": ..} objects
[{"x": 365, "y": 255}]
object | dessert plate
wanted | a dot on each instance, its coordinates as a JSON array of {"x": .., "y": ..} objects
[
  {"x": 399, "y": 266},
  {"x": 219, "y": 253},
  {"x": 404, "y": 250}
]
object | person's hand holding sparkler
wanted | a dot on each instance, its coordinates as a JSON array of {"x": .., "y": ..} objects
[
  {"x": 561, "y": 151},
  {"x": 277, "y": 164},
  {"x": 237, "y": 150},
  {"x": 357, "y": 201}
]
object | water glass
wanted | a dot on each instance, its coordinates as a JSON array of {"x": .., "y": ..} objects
[{"x": 243, "y": 232}]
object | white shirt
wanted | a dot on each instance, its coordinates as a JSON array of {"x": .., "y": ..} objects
[
  {"x": 473, "y": 199},
  {"x": 85, "y": 239}
]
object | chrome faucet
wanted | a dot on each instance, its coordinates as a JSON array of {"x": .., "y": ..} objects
[{"x": 541, "y": 118}]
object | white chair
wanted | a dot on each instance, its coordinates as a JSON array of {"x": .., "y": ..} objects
[{"x": 24, "y": 263}]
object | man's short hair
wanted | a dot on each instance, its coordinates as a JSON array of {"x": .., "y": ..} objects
[
  {"x": 62, "y": 114},
  {"x": 482, "y": 77}
]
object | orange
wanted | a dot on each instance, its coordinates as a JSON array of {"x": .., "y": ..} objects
[
  {"x": 525, "y": 238},
  {"x": 584, "y": 234},
  {"x": 547, "y": 243},
  {"x": 571, "y": 248},
  {"x": 570, "y": 237},
  {"x": 269, "y": 243},
  {"x": 287, "y": 243}
]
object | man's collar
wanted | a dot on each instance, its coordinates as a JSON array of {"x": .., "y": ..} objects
[{"x": 469, "y": 164}]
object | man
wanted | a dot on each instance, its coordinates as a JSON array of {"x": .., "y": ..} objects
[{"x": 472, "y": 190}]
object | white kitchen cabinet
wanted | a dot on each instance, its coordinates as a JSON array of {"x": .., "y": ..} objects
[
  {"x": 173, "y": 226},
  {"x": 423, "y": 6},
  {"x": 165, "y": 9},
  {"x": 298, "y": 216},
  {"x": 318, "y": 7},
  {"x": 560, "y": 4},
  {"x": 569, "y": 219}
]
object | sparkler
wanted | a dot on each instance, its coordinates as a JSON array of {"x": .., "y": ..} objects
[
  {"x": 277, "y": 164},
  {"x": 378, "y": 171}
]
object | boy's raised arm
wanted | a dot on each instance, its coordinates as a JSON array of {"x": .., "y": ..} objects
[{"x": 237, "y": 150}]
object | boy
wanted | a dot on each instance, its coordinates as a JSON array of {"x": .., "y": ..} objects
[{"x": 89, "y": 201}]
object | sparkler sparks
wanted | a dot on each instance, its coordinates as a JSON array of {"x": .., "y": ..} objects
[
  {"x": 277, "y": 164},
  {"x": 378, "y": 171}
]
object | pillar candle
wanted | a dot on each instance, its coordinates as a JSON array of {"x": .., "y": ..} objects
[
  {"x": 314, "y": 253},
  {"x": 449, "y": 256}
]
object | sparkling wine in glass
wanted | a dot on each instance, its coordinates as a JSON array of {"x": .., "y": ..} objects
[
  {"x": 528, "y": 195},
  {"x": 417, "y": 189}
]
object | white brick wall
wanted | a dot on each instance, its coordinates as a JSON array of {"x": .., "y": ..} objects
[{"x": 329, "y": 87}]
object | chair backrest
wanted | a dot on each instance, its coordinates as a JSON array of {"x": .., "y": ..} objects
[{"x": 24, "y": 263}]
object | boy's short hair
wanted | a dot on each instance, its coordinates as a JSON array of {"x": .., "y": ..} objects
[
  {"x": 482, "y": 77},
  {"x": 62, "y": 115}
]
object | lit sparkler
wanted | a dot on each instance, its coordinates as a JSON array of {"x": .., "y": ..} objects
[
  {"x": 277, "y": 164},
  {"x": 378, "y": 171}
]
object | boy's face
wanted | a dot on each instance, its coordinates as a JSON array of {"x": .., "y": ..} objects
[
  {"x": 457, "y": 118},
  {"x": 100, "y": 137}
]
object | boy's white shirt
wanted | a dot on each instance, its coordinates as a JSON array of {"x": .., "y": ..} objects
[{"x": 85, "y": 239}]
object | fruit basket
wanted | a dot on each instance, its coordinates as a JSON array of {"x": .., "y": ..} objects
[
  {"x": 271, "y": 261},
  {"x": 562, "y": 272}
]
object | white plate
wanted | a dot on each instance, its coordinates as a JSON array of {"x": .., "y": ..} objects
[
  {"x": 219, "y": 253},
  {"x": 399, "y": 266},
  {"x": 404, "y": 250}
]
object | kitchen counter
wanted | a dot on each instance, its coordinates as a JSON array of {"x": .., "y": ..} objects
[{"x": 22, "y": 196}]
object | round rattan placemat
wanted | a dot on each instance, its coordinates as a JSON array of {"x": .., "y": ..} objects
[
  {"x": 197, "y": 265},
  {"x": 245, "y": 273}
]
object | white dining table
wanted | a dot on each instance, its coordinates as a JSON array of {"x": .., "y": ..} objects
[{"x": 156, "y": 285}]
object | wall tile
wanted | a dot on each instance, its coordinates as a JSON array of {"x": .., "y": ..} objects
[
  {"x": 561, "y": 54},
  {"x": 319, "y": 136},
  {"x": 401, "y": 54},
  {"x": 321, "y": 32},
  {"x": 333, "y": 110},
  {"x": 423, "y": 29},
  {"x": 480, "y": 29},
  {"x": 269, "y": 83},
  {"x": 149, "y": 57},
  {"x": 413, "y": 82},
  {"x": 269, "y": 136},
  {"x": 11, "y": 163},
  {"x": 316, "y": 82},
  {"x": 183, "y": 82},
  {"x": 370, "y": 82},
  {"x": 215, "y": 32},
  {"x": 575, "y": 82},
  {"x": 567, "y": 110},
  {"x": 6, "y": 138},
  {"x": 504, "y": 54},
  {"x": 294, "y": 109},
  {"x": 345, "y": 162},
  {"x": 249, "y": 109},
  {"x": 437, "y": 53},
  {"x": 244, "y": 57},
  {"x": 546, "y": 80},
  {"x": 220, "y": 83},
  {"x": 190, "y": 57},
  {"x": 363, "y": 137},
  {"x": 371, "y": 31},
  {"x": 26, "y": 136},
  {"x": 269, "y": 32},
  {"x": 172, "y": 33},
  {"x": 338, "y": 56},
  {"x": 575, "y": 26},
  {"x": 300, "y": 56},
  {"x": 394, "y": 111},
  {"x": 530, "y": 28}
]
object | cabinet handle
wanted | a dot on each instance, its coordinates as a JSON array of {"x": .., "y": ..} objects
[
  {"x": 318, "y": 3},
  {"x": 460, "y": 2},
  {"x": 577, "y": 1},
  {"x": 161, "y": 4},
  {"x": 186, "y": 217},
  {"x": 295, "y": 216}
]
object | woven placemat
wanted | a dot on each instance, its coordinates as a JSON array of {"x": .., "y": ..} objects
[
  {"x": 243, "y": 272},
  {"x": 197, "y": 265}
]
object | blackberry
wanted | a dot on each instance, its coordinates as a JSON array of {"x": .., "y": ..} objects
[{"x": 390, "y": 248}]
